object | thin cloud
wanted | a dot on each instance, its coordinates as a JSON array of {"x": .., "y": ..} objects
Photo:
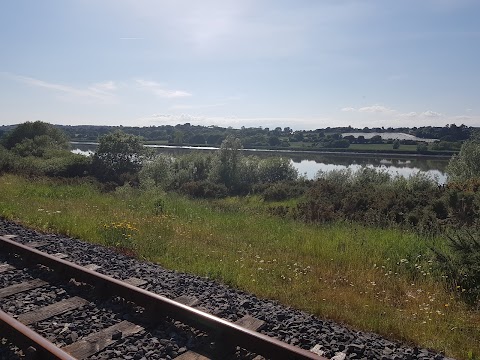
[
  {"x": 158, "y": 89},
  {"x": 384, "y": 110},
  {"x": 375, "y": 109},
  {"x": 235, "y": 121},
  {"x": 410, "y": 114},
  {"x": 131, "y": 38},
  {"x": 105, "y": 86},
  {"x": 431, "y": 114},
  {"x": 369, "y": 109},
  {"x": 100, "y": 92}
]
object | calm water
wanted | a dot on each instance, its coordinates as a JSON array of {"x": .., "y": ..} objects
[{"x": 309, "y": 164}]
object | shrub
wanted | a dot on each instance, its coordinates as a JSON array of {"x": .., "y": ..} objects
[
  {"x": 274, "y": 169},
  {"x": 69, "y": 165},
  {"x": 375, "y": 198},
  {"x": 204, "y": 189},
  {"x": 422, "y": 148},
  {"x": 159, "y": 171},
  {"x": 466, "y": 164},
  {"x": 283, "y": 190},
  {"x": 7, "y": 160},
  {"x": 462, "y": 267}
]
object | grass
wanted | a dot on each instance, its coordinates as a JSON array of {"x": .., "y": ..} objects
[
  {"x": 378, "y": 147},
  {"x": 380, "y": 280}
]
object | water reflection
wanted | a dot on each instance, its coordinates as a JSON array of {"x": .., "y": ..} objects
[
  {"x": 309, "y": 164},
  {"x": 310, "y": 168}
]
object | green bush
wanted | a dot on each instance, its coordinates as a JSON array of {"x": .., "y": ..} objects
[
  {"x": 204, "y": 189},
  {"x": 462, "y": 266},
  {"x": 374, "y": 197},
  {"x": 159, "y": 171},
  {"x": 466, "y": 164},
  {"x": 7, "y": 160},
  {"x": 274, "y": 169},
  {"x": 283, "y": 190}
]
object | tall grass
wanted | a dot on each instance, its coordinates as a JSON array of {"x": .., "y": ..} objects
[{"x": 381, "y": 280}]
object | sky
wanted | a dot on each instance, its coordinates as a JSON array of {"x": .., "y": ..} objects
[{"x": 304, "y": 64}]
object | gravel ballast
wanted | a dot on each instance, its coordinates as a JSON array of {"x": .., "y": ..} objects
[{"x": 298, "y": 328}]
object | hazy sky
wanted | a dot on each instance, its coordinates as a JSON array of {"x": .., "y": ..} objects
[{"x": 303, "y": 64}]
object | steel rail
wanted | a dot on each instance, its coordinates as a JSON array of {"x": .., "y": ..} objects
[
  {"x": 37, "y": 346},
  {"x": 228, "y": 332}
]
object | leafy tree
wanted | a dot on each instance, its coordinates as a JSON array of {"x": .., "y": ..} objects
[
  {"x": 226, "y": 166},
  {"x": 396, "y": 144},
  {"x": 274, "y": 141},
  {"x": 197, "y": 139},
  {"x": 361, "y": 139},
  {"x": 178, "y": 137},
  {"x": 376, "y": 139},
  {"x": 422, "y": 147},
  {"x": 35, "y": 139},
  {"x": 466, "y": 164},
  {"x": 214, "y": 139},
  {"x": 298, "y": 136},
  {"x": 119, "y": 156}
]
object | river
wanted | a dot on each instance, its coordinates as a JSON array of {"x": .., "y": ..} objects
[{"x": 309, "y": 163}]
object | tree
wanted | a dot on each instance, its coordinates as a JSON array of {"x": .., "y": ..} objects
[
  {"x": 466, "y": 164},
  {"x": 226, "y": 165},
  {"x": 396, "y": 144},
  {"x": 298, "y": 136},
  {"x": 119, "y": 156},
  {"x": 422, "y": 147},
  {"x": 178, "y": 137},
  {"x": 35, "y": 139},
  {"x": 274, "y": 141},
  {"x": 197, "y": 139}
]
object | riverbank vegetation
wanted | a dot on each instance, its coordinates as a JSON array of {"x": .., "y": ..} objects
[{"x": 380, "y": 253}]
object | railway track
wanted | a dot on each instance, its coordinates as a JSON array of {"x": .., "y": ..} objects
[
  {"x": 163, "y": 337},
  {"x": 71, "y": 311}
]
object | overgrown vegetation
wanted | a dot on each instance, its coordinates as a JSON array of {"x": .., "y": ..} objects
[
  {"x": 366, "y": 243},
  {"x": 38, "y": 148},
  {"x": 382, "y": 280},
  {"x": 226, "y": 172}
]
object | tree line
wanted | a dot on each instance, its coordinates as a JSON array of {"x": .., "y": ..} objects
[{"x": 266, "y": 137}]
